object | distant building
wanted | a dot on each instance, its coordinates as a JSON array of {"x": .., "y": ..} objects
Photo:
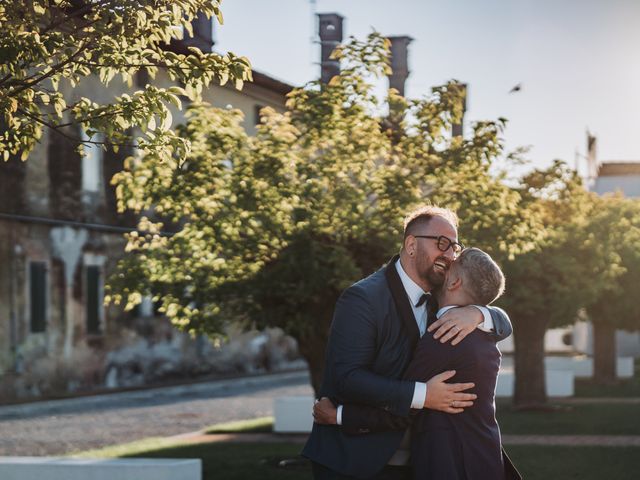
[
  {"x": 60, "y": 239},
  {"x": 603, "y": 178},
  {"x": 618, "y": 176},
  {"x": 610, "y": 176}
]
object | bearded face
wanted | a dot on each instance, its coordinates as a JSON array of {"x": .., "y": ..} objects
[{"x": 431, "y": 263}]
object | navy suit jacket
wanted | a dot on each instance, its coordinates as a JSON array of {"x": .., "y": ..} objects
[
  {"x": 464, "y": 446},
  {"x": 371, "y": 342}
]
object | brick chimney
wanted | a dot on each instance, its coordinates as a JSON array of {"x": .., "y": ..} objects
[
  {"x": 202, "y": 37},
  {"x": 592, "y": 156},
  {"x": 330, "y": 29},
  {"x": 457, "y": 129},
  {"x": 202, "y": 33},
  {"x": 399, "y": 62}
]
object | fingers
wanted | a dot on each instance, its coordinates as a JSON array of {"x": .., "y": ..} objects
[
  {"x": 451, "y": 331},
  {"x": 441, "y": 377},
  {"x": 449, "y": 334},
  {"x": 446, "y": 331},
  {"x": 461, "y": 398},
  {"x": 453, "y": 410},
  {"x": 458, "y": 338},
  {"x": 324, "y": 412},
  {"x": 436, "y": 325},
  {"x": 462, "y": 405},
  {"x": 460, "y": 387}
]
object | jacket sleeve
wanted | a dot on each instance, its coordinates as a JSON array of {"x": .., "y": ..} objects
[
  {"x": 501, "y": 323},
  {"x": 430, "y": 358},
  {"x": 360, "y": 419},
  {"x": 352, "y": 350}
]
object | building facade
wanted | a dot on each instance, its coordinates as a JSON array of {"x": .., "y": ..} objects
[{"x": 60, "y": 239}]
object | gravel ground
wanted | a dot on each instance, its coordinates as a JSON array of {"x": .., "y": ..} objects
[{"x": 64, "y": 426}]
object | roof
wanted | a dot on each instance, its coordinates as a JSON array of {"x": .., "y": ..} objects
[
  {"x": 271, "y": 83},
  {"x": 608, "y": 169},
  {"x": 260, "y": 79}
]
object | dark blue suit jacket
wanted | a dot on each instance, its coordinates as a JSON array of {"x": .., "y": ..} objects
[
  {"x": 464, "y": 446},
  {"x": 371, "y": 342}
]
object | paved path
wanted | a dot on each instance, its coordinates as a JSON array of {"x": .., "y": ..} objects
[
  {"x": 574, "y": 440},
  {"x": 63, "y": 426},
  {"x": 598, "y": 400},
  {"x": 563, "y": 440}
]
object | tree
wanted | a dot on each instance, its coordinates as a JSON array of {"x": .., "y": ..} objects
[
  {"x": 48, "y": 47},
  {"x": 273, "y": 228},
  {"x": 614, "y": 228},
  {"x": 548, "y": 284}
]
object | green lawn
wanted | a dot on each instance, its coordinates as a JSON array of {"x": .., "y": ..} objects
[
  {"x": 254, "y": 425},
  {"x": 236, "y": 461},
  {"x": 623, "y": 388},
  {"x": 244, "y": 461},
  {"x": 584, "y": 463},
  {"x": 590, "y": 419},
  {"x": 239, "y": 461}
]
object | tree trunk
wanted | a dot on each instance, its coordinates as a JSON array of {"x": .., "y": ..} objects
[
  {"x": 530, "y": 389},
  {"x": 312, "y": 348},
  {"x": 604, "y": 353}
]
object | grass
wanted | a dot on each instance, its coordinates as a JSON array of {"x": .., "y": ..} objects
[
  {"x": 244, "y": 461},
  {"x": 585, "y": 387},
  {"x": 255, "y": 425},
  {"x": 587, "y": 419},
  {"x": 584, "y": 463},
  {"x": 231, "y": 461},
  {"x": 137, "y": 448}
]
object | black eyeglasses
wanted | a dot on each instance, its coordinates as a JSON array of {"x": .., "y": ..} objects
[{"x": 445, "y": 243}]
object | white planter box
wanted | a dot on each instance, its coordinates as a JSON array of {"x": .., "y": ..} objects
[
  {"x": 55, "y": 468},
  {"x": 293, "y": 414},
  {"x": 559, "y": 383},
  {"x": 583, "y": 366}
]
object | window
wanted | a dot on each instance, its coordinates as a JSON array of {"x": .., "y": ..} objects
[
  {"x": 256, "y": 113},
  {"x": 94, "y": 300},
  {"x": 92, "y": 164},
  {"x": 38, "y": 296}
]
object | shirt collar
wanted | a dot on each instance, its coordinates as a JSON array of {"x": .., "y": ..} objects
[
  {"x": 414, "y": 292},
  {"x": 444, "y": 310}
]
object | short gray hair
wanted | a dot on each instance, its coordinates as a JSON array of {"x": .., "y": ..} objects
[{"x": 482, "y": 278}]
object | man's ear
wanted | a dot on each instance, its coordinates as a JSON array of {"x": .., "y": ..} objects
[
  {"x": 410, "y": 245},
  {"x": 454, "y": 282}
]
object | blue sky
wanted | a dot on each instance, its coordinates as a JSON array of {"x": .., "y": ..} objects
[{"x": 578, "y": 60}]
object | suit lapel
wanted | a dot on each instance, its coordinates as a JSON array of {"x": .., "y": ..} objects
[{"x": 403, "y": 305}]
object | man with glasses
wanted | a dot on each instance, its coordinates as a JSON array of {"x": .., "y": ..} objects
[{"x": 376, "y": 325}]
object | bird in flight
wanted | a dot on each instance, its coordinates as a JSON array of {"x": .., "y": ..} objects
[{"x": 515, "y": 89}]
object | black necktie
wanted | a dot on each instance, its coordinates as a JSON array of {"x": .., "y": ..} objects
[
  {"x": 432, "y": 311},
  {"x": 423, "y": 298},
  {"x": 432, "y": 307}
]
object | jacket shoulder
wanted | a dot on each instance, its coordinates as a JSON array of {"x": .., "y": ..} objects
[{"x": 374, "y": 284}]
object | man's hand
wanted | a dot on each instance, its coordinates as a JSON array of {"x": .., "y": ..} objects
[
  {"x": 325, "y": 412},
  {"x": 456, "y": 324},
  {"x": 448, "y": 397}
]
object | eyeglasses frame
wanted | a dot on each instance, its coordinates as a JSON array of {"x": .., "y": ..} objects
[{"x": 439, "y": 238}]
